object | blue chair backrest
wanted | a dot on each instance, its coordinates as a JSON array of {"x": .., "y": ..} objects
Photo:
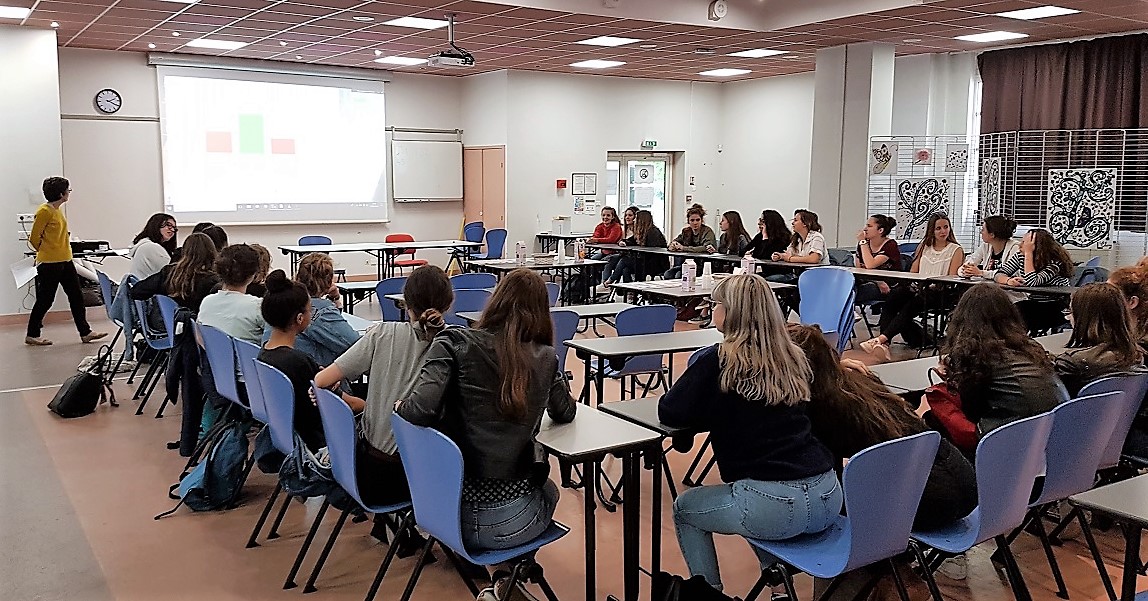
[
  {"x": 279, "y": 399},
  {"x": 495, "y": 243},
  {"x": 1093, "y": 262},
  {"x": 1134, "y": 386},
  {"x": 391, "y": 312},
  {"x": 883, "y": 486},
  {"x": 908, "y": 248},
  {"x": 220, "y": 351},
  {"x": 313, "y": 240},
  {"x": 106, "y": 292},
  {"x": 466, "y": 300},
  {"x": 473, "y": 231},
  {"x": 565, "y": 325},
  {"x": 167, "y": 309},
  {"x": 1081, "y": 428},
  {"x": 339, "y": 430},
  {"x": 826, "y": 298},
  {"x": 473, "y": 281},
  {"x": 1008, "y": 461},
  {"x": 553, "y": 290},
  {"x": 646, "y": 319},
  {"x": 246, "y": 354},
  {"x": 433, "y": 465},
  {"x": 156, "y": 340}
]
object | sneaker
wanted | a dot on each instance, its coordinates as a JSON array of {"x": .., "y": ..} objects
[
  {"x": 955, "y": 568},
  {"x": 874, "y": 347},
  {"x": 36, "y": 341},
  {"x": 498, "y": 592},
  {"x": 93, "y": 336},
  {"x": 127, "y": 365}
]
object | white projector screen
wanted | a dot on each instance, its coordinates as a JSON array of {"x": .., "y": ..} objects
[{"x": 242, "y": 147}]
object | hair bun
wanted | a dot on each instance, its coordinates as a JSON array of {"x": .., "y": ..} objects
[
  {"x": 432, "y": 319},
  {"x": 277, "y": 281}
]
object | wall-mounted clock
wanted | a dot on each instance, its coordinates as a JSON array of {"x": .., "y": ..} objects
[{"x": 108, "y": 101}]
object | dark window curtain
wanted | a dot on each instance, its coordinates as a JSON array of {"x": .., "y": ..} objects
[{"x": 1097, "y": 84}]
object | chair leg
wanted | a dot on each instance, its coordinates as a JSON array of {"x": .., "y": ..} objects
[
  {"x": 1061, "y": 589},
  {"x": 669, "y": 478},
  {"x": 1095, "y": 551},
  {"x": 546, "y": 590},
  {"x": 705, "y": 471},
  {"x": 414, "y": 579},
  {"x": 147, "y": 375},
  {"x": 458, "y": 567},
  {"x": 787, "y": 580},
  {"x": 310, "y": 586},
  {"x": 252, "y": 541},
  {"x": 135, "y": 370},
  {"x": 274, "y": 533},
  {"x": 392, "y": 550},
  {"x": 1015, "y": 579},
  {"x": 901, "y": 590},
  {"x": 926, "y": 571},
  {"x": 694, "y": 465},
  {"x": 758, "y": 587},
  {"x": 290, "y": 582},
  {"x": 1054, "y": 536}
]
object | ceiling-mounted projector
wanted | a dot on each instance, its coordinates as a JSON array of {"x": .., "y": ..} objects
[{"x": 455, "y": 58}]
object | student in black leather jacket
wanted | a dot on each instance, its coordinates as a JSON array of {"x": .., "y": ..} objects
[{"x": 486, "y": 388}]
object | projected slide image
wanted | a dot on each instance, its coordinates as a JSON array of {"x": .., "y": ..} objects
[{"x": 230, "y": 145}]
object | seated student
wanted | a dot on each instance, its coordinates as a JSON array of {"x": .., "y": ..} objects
[
  {"x": 937, "y": 255},
  {"x": 734, "y": 239},
  {"x": 1041, "y": 261},
  {"x": 257, "y": 288},
  {"x": 391, "y": 353},
  {"x": 851, "y": 410},
  {"x": 189, "y": 280},
  {"x": 751, "y": 392},
  {"x": 486, "y": 389},
  {"x": 998, "y": 246},
  {"x": 287, "y": 309},
  {"x": 876, "y": 250},
  {"x": 773, "y": 236},
  {"x": 231, "y": 309},
  {"x": 1000, "y": 373},
  {"x": 612, "y": 259},
  {"x": 636, "y": 265},
  {"x": 1133, "y": 283},
  {"x": 609, "y": 231},
  {"x": 807, "y": 246},
  {"x": 1102, "y": 342},
  {"x": 153, "y": 247},
  {"x": 695, "y": 238},
  {"x": 329, "y": 334}
]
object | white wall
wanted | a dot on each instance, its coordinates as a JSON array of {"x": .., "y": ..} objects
[
  {"x": 115, "y": 165},
  {"x": 931, "y": 94},
  {"x": 561, "y": 124},
  {"x": 29, "y": 139},
  {"x": 484, "y": 109}
]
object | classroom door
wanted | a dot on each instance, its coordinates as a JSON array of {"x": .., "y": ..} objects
[
  {"x": 484, "y": 186},
  {"x": 643, "y": 182}
]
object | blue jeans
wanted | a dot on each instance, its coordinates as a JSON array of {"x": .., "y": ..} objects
[
  {"x": 754, "y": 509},
  {"x": 123, "y": 309},
  {"x": 507, "y": 524}
]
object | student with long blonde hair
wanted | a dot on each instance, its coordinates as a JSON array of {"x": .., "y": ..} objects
[{"x": 751, "y": 392}]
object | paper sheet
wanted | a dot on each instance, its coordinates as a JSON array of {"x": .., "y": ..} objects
[{"x": 24, "y": 271}]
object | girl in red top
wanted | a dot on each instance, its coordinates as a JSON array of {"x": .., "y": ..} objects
[{"x": 607, "y": 232}]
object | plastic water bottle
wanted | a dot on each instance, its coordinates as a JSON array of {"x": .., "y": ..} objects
[
  {"x": 520, "y": 253},
  {"x": 748, "y": 265},
  {"x": 579, "y": 250},
  {"x": 689, "y": 275},
  {"x": 707, "y": 277},
  {"x": 561, "y": 253}
]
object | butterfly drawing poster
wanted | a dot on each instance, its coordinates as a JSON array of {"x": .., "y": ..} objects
[
  {"x": 883, "y": 158},
  {"x": 1081, "y": 206}
]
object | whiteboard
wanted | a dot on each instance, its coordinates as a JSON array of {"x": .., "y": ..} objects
[{"x": 426, "y": 170}]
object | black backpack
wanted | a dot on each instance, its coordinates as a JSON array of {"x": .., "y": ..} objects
[{"x": 79, "y": 394}]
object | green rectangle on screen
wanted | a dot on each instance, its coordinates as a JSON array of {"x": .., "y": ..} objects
[{"x": 251, "y": 134}]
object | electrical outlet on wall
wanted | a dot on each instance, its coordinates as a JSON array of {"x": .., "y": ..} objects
[{"x": 25, "y": 219}]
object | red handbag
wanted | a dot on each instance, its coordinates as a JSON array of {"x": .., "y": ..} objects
[{"x": 945, "y": 405}]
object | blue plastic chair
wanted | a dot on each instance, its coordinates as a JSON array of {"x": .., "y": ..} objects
[
  {"x": 466, "y": 300},
  {"x": 553, "y": 291},
  {"x": 473, "y": 281},
  {"x": 565, "y": 325},
  {"x": 1135, "y": 387},
  {"x": 340, "y": 274},
  {"x": 827, "y": 295},
  {"x": 635, "y": 321},
  {"x": 434, "y": 468},
  {"x": 1008, "y": 461},
  {"x": 495, "y": 243},
  {"x": 220, "y": 352},
  {"x": 1080, "y": 430},
  {"x": 883, "y": 485},
  {"x": 245, "y": 355},
  {"x": 279, "y": 403},
  {"x": 391, "y": 311},
  {"x": 162, "y": 343},
  {"x": 471, "y": 232},
  {"x": 339, "y": 428},
  {"x": 1093, "y": 262},
  {"x": 106, "y": 293}
]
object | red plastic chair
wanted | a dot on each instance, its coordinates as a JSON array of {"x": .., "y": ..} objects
[{"x": 402, "y": 263}]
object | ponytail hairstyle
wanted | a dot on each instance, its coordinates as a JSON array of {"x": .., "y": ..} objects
[
  {"x": 284, "y": 301},
  {"x": 884, "y": 223},
  {"x": 1000, "y": 227},
  {"x": 698, "y": 210},
  {"x": 198, "y": 258},
  {"x": 518, "y": 314},
  {"x": 427, "y": 294},
  {"x": 809, "y": 218}
]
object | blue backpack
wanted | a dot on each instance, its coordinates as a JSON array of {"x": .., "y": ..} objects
[{"x": 215, "y": 482}]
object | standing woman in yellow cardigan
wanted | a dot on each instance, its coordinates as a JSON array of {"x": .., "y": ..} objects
[{"x": 54, "y": 267}]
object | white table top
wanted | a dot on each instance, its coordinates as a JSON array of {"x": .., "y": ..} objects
[
  {"x": 583, "y": 311},
  {"x": 510, "y": 264},
  {"x": 647, "y": 344},
  {"x": 573, "y": 236},
  {"x": 375, "y": 246},
  {"x": 592, "y": 433},
  {"x": 358, "y": 323},
  {"x": 673, "y": 288},
  {"x": 368, "y": 285}
]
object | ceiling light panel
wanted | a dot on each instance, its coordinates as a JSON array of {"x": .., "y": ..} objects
[
  {"x": 724, "y": 72},
  {"x": 991, "y": 36},
  {"x": 416, "y": 23},
  {"x": 759, "y": 53},
  {"x": 608, "y": 41},
  {"x": 597, "y": 64},
  {"x": 216, "y": 44},
  {"x": 14, "y": 12},
  {"x": 1038, "y": 12},
  {"x": 407, "y": 61}
]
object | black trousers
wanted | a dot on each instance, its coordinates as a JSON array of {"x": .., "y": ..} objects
[
  {"x": 902, "y": 305},
  {"x": 49, "y": 277}
]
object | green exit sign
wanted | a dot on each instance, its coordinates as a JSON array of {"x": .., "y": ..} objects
[{"x": 649, "y": 144}]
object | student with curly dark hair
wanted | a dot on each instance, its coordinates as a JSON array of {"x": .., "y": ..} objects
[
  {"x": 696, "y": 237},
  {"x": 231, "y": 309}
]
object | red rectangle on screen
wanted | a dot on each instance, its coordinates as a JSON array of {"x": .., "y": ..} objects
[
  {"x": 282, "y": 146},
  {"x": 218, "y": 141}
]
